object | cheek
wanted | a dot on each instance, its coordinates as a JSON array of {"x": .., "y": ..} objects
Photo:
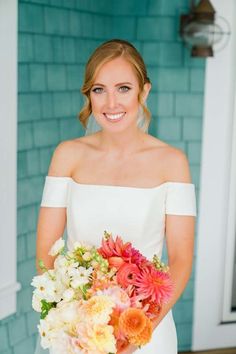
[
  {"x": 129, "y": 100},
  {"x": 133, "y": 103},
  {"x": 96, "y": 101}
]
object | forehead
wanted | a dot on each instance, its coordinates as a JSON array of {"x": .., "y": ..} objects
[{"x": 116, "y": 70}]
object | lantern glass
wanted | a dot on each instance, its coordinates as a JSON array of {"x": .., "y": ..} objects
[{"x": 202, "y": 33}]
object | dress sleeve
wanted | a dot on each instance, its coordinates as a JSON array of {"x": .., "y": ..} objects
[
  {"x": 55, "y": 191},
  {"x": 181, "y": 199}
]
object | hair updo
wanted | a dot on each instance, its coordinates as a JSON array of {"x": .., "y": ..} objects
[{"x": 107, "y": 51}]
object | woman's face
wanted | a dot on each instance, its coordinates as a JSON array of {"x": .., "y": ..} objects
[{"x": 114, "y": 95}]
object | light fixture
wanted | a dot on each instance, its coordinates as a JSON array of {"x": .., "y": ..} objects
[{"x": 202, "y": 30}]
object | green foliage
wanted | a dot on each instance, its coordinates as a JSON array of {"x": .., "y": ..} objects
[{"x": 46, "y": 307}]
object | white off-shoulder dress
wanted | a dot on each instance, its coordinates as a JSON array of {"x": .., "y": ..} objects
[{"x": 136, "y": 214}]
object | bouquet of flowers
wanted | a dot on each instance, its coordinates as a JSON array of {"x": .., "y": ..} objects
[{"x": 98, "y": 300}]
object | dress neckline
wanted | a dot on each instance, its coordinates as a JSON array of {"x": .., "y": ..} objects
[{"x": 119, "y": 187}]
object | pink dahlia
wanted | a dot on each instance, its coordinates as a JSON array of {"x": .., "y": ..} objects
[
  {"x": 154, "y": 285},
  {"x": 115, "y": 262},
  {"x": 127, "y": 274},
  {"x": 114, "y": 249}
]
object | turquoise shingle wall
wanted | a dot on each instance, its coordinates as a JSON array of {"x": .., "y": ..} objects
[{"x": 55, "y": 39}]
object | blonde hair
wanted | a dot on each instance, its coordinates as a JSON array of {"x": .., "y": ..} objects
[{"x": 107, "y": 51}]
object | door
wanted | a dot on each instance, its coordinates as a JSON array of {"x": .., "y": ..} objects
[{"x": 214, "y": 317}]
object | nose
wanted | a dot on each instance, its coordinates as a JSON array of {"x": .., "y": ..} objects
[{"x": 111, "y": 100}]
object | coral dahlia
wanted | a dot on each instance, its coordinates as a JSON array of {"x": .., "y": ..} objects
[{"x": 154, "y": 285}]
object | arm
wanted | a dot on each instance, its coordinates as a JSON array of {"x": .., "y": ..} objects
[
  {"x": 179, "y": 235},
  {"x": 179, "y": 232},
  {"x": 51, "y": 225},
  {"x": 180, "y": 244},
  {"x": 52, "y": 220}
]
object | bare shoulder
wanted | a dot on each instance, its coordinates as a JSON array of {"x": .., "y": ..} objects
[
  {"x": 176, "y": 165},
  {"x": 168, "y": 161},
  {"x": 174, "y": 161},
  {"x": 64, "y": 157}
]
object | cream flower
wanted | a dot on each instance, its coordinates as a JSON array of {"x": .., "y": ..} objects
[
  {"x": 60, "y": 262},
  {"x": 60, "y": 320},
  {"x": 82, "y": 244},
  {"x": 57, "y": 247},
  {"x": 118, "y": 295},
  {"x": 50, "y": 329},
  {"x": 97, "y": 338},
  {"x": 68, "y": 294},
  {"x": 87, "y": 256},
  {"x": 68, "y": 312},
  {"x": 97, "y": 309},
  {"x": 65, "y": 345}
]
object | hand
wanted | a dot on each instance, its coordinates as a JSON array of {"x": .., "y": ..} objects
[{"x": 129, "y": 349}]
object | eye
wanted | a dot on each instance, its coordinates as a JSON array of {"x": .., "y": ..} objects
[
  {"x": 126, "y": 87},
  {"x": 97, "y": 88}
]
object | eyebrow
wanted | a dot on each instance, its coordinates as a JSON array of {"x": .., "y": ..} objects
[{"x": 121, "y": 83}]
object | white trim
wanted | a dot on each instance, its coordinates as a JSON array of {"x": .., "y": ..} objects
[
  {"x": 8, "y": 156},
  {"x": 208, "y": 329},
  {"x": 8, "y": 300},
  {"x": 227, "y": 314}
]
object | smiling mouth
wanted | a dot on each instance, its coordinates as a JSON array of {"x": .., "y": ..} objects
[{"x": 114, "y": 117}]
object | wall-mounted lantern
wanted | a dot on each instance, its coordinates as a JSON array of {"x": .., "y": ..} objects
[{"x": 202, "y": 30}]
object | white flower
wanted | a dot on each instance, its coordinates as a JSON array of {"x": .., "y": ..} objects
[
  {"x": 50, "y": 329},
  {"x": 82, "y": 244},
  {"x": 44, "y": 330},
  {"x": 68, "y": 312},
  {"x": 45, "y": 286},
  {"x": 53, "y": 318},
  {"x": 94, "y": 264},
  {"x": 60, "y": 287},
  {"x": 64, "y": 345},
  {"x": 87, "y": 256},
  {"x": 60, "y": 261},
  {"x": 58, "y": 327},
  {"x": 76, "y": 245},
  {"x": 36, "y": 302},
  {"x": 80, "y": 276},
  {"x": 68, "y": 294},
  {"x": 57, "y": 247}
]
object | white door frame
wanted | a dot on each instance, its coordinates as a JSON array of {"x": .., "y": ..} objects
[
  {"x": 209, "y": 331},
  {"x": 8, "y": 148}
]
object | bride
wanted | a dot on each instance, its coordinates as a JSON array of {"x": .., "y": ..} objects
[{"x": 120, "y": 177}]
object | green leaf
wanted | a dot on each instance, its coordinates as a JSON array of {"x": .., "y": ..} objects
[
  {"x": 42, "y": 265},
  {"x": 46, "y": 307}
]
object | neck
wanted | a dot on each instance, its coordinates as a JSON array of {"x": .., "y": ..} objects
[{"x": 121, "y": 144}]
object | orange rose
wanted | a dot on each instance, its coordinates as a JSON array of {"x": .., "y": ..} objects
[
  {"x": 132, "y": 322},
  {"x": 145, "y": 336}
]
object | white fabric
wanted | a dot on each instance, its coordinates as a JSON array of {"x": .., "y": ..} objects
[
  {"x": 136, "y": 214},
  {"x": 55, "y": 191}
]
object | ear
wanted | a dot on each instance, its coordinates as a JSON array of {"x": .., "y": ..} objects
[{"x": 146, "y": 88}]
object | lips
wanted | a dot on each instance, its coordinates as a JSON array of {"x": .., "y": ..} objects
[{"x": 114, "y": 117}]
